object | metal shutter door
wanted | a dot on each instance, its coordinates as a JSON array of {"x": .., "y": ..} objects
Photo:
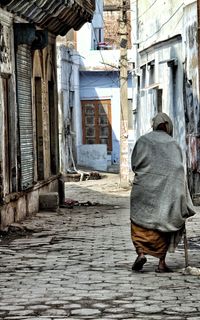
[{"x": 24, "y": 97}]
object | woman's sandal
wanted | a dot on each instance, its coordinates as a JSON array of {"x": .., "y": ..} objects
[
  {"x": 163, "y": 270},
  {"x": 139, "y": 262}
]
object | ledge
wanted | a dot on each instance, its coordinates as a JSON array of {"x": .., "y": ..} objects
[{"x": 16, "y": 195}]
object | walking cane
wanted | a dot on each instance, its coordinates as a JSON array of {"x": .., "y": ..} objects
[{"x": 185, "y": 247}]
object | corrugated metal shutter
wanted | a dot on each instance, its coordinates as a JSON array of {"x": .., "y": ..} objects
[{"x": 24, "y": 96}]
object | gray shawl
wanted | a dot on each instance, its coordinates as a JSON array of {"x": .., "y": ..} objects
[{"x": 160, "y": 199}]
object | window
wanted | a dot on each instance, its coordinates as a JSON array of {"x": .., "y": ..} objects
[
  {"x": 143, "y": 83},
  {"x": 97, "y": 37},
  {"x": 151, "y": 69},
  {"x": 159, "y": 100},
  {"x": 96, "y": 117}
]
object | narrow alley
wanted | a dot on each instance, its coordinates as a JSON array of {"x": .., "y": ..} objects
[{"x": 76, "y": 264}]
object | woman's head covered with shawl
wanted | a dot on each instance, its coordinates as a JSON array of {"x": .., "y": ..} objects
[{"x": 163, "y": 122}]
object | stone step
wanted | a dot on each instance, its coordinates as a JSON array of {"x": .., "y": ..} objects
[{"x": 49, "y": 201}]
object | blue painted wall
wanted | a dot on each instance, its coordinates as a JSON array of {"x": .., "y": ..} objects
[{"x": 99, "y": 85}]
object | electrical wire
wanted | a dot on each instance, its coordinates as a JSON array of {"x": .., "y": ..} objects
[
  {"x": 147, "y": 9},
  {"x": 101, "y": 54},
  {"x": 96, "y": 81},
  {"x": 143, "y": 13},
  {"x": 163, "y": 24},
  {"x": 118, "y": 81},
  {"x": 178, "y": 21},
  {"x": 97, "y": 41}
]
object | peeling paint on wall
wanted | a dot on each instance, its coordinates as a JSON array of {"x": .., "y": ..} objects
[{"x": 191, "y": 97}]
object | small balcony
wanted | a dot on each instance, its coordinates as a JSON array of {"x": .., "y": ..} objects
[{"x": 104, "y": 46}]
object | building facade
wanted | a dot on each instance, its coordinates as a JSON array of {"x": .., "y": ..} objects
[
  {"x": 29, "y": 153},
  {"x": 166, "y": 73},
  {"x": 191, "y": 95}
]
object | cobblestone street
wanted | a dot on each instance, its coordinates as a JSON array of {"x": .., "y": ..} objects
[{"x": 76, "y": 264}]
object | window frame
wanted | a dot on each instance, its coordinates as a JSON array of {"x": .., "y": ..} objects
[{"x": 96, "y": 121}]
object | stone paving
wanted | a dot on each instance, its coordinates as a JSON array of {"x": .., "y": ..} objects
[{"x": 76, "y": 264}]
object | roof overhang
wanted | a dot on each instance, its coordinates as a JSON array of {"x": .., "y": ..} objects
[{"x": 57, "y": 16}]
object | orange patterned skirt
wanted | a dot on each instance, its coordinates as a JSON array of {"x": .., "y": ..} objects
[{"x": 152, "y": 242}]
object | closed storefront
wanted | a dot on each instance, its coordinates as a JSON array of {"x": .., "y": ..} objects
[
  {"x": 24, "y": 102},
  {"x": 29, "y": 156}
]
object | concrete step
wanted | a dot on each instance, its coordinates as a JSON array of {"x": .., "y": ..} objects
[{"x": 49, "y": 201}]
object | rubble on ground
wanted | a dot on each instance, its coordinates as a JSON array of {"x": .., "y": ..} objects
[{"x": 77, "y": 176}]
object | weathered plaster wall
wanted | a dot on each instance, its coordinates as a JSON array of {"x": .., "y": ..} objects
[
  {"x": 24, "y": 204},
  {"x": 170, "y": 81},
  {"x": 70, "y": 133},
  {"x": 158, "y": 20},
  {"x": 44, "y": 68},
  {"x": 17, "y": 204},
  {"x": 63, "y": 66},
  {"x": 161, "y": 37},
  {"x": 191, "y": 69},
  {"x": 68, "y": 97},
  {"x": 191, "y": 96},
  {"x": 7, "y": 93},
  {"x": 93, "y": 156}
]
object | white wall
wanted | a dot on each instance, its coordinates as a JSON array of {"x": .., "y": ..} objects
[
  {"x": 172, "y": 100},
  {"x": 191, "y": 95},
  {"x": 159, "y": 38},
  {"x": 84, "y": 39},
  {"x": 159, "y": 20}
]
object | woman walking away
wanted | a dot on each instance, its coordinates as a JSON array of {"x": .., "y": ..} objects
[{"x": 160, "y": 200}]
